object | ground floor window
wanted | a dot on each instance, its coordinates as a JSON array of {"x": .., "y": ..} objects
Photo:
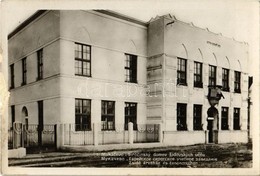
[
  {"x": 83, "y": 114},
  {"x": 181, "y": 117},
  {"x": 12, "y": 115},
  {"x": 224, "y": 118},
  {"x": 197, "y": 115},
  {"x": 236, "y": 124},
  {"x": 130, "y": 114},
  {"x": 108, "y": 115}
]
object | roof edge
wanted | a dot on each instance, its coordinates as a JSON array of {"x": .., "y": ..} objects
[
  {"x": 26, "y": 22},
  {"x": 123, "y": 17}
]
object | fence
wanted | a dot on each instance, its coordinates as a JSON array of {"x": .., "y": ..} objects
[
  {"x": 121, "y": 134},
  {"x": 76, "y": 135},
  {"x": 146, "y": 133},
  {"x": 117, "y": 136},
  {"x": 31, "y": 135}
]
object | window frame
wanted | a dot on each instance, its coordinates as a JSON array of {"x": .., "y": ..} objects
[
  {"x": 197, "y": 75},
  {"x": 236, "y": 119},
  {"x": 108, "y": 116},
  {"x": 224, "y": 118},
  {"x": 132, "y": 117},
  {"x": 83, "y": 118},
  {"x": 212, "y": 77},
  {"x": 196, "y": 117},
  {"x": 24, "y": 71},
  {"x": 12, "y": 76},
  {"x": 180, "y": 72},
  {"x": 81, "y": 60},
  {"x": 225, "y": 79},
  {"x": 131, "y": 68},
  {"x": 237, "y": 82},
  {"x": 40, "y": 64},
  {"x": 181, "y": 118}
]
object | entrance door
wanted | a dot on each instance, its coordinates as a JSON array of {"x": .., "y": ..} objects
[
  {"x": 40, "y": 122},
  {"x": 210, "y": 131},
  {"x": 212, "y": 125}
]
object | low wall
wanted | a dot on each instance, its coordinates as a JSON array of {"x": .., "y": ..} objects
[
  {"x": 183, "y": 137},
  {"x": 17, "y": 153},
  {"x": 236, "y": 136}
]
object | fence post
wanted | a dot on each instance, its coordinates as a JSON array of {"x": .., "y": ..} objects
[
  {"x": 160, "y": 133},
  {"x": 130, "y": 133},
  {"x": 95, "y": 133},
  {"x": 59, "y": 135}
]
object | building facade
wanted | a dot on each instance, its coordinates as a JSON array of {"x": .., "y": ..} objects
[{"x": 101, "y": 67}]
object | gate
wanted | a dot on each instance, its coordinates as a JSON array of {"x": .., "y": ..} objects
[
  {"x": 31, "y": 135},
  {"x": 145, "y": 133},
  {"x": 36, "y": 136}
]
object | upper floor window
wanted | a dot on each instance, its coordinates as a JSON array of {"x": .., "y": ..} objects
[
  {"x": 197, "y": 116},
  {"x": 131, "y": 68},
  {"x": 224, "y": 118},
  {"x": 12, "y": 76},
  {"x": 198, "y": 74},
  {"x": 225, "y": 79},
  {"x": 181, "y": 116},
  {"x": 182, "y": 72},
  {"x": 212, "y": 75},
  {"x": 82, "y": 60},
  {"x": 24, "y": 71},
  {"x": 83, "y": 114},
  {"x": 236, "y": 123},
  {"x": 237, "y": 82},
  {"x": 130, "y": 114},
  {"x": 108, "y": 115},
  {"x": 40, "y": 64}
]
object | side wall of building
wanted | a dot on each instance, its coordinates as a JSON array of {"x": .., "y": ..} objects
[{"x": 42, "y": 33}]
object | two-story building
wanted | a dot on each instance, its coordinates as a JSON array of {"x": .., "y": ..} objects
[{"x": 101, "y": 67}]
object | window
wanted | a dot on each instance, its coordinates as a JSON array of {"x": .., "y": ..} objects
[
  {"x": 82, "y": 60},
  {"x": 40, "y": 64},
  {"x": 24, "y": 71},
  {"x": 197, "y": 114},
  {"x": 198, "y": 74},
  {"x": 237, "y": 86},
  {"x": 182, "y": 72},
  {"x": 108, "y": 115},
  {"x": 236, "y": 124},
  {"x": 12, "y": 115},
  {"x": 130, "y": 114},
  {"x": 225, "y": 79},
  {"x": 12, "y": 76},
  {"x": 83, "y": 114},
  {"x": 181, "y": 117},
  {"x": 131, "y": 68},
  {"x": 212, "y": 75},
  {"x": 224, "y": 118}
]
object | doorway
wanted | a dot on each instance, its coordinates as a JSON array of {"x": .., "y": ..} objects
[{"x": 212, "y": 127}]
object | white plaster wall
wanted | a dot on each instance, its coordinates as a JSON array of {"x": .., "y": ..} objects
[
  {"x": 41, "y": 31},
  {"x": 232, "y": 136},
  {"x": 115, "y": 34},
  {"x": 107, "y": 81},
  {"x": 180, "y": 138}
]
